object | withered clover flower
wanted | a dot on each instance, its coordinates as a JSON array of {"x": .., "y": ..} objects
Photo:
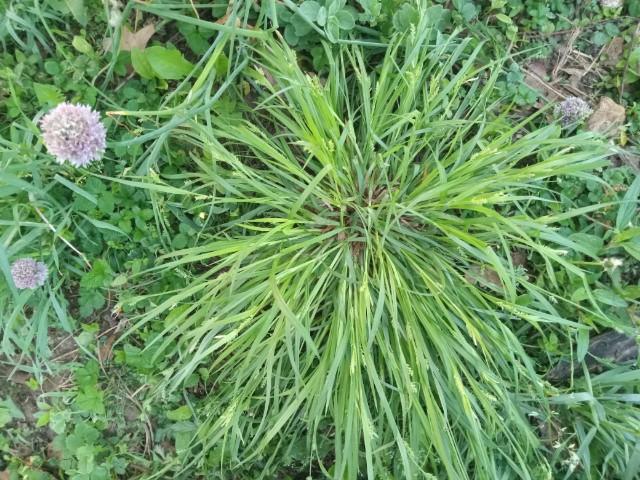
[
  {"x": 572, "y": 110},
  {"x": 29, "y": 273},
  {"x": 611, "y": 3},
  {"x": 611, "y": 263},
  {"x": 74, "y": 133}
]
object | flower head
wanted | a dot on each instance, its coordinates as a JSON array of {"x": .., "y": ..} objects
[
  {"x": 572, "y": 110},
  {"x": 29, "y": 273},
  {"x": 116, "y": 13},
  {"x": 611, "y": 263},
  {"x": 74, "y": 133},
  {"x": 611, "y": 3}
]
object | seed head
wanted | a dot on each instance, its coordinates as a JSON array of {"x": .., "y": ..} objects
[
  {"x": 74, "y": 133},
  {"x": 572, "y": 110},
  {"x": 29, "y": 273}
]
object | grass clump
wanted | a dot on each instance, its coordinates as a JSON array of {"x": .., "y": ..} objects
[{"x": 345, "y": 309}]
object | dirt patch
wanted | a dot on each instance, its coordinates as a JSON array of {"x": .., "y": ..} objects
[
  {"x": 570, "y": 72},
  {"x": 18, "y": 389}
]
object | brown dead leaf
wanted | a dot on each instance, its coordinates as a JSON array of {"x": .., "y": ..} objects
[
  {"x": 607, "y": 117},
  {"x": 613, "y": 52},
  {"x": 535, "y": 76},
  {"x": 539, "y": 67},
  {"x": 4, "y": 475},
  {"x": 53, "y": 453},
  {"x": 139, "y": 39},
  {"x": 105, "y": 352},
  {"x": 574, "y": 71},
  {"x": 519, "y": 258},
  {"x": 486, "y": 274},
  {"x": 20, "y": 378}
]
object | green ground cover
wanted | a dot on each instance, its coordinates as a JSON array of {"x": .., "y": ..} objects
[{"x": 378, "y": 239}]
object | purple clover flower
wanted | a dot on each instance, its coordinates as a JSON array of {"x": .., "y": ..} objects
[
  {"x": 74, "y": 133},
  {"x": 572, "y": 110},
  {"x": 29, "y": 273}
]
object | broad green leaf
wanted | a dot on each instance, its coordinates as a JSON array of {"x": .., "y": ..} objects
[
  {"x": 333, "y": 6},
  {"x": 76, "y": 8},
  {"x": 629, "y": 207},
  {"x": 47, "y": 94},
  {"x": 90, "y": 300},
  {"x": 197, "y": 38},
  {"x": 583, "y": 344},
  {"x": 91, "y": 400},
  {"x": 631, "y": 233},
  {"x": 106, "y": 202},
  {"x": 579, "y": 295},
  {"x": 138, "y": 358},
  {"x": 99, "y": 276},
  {"x": 333, "y": 29},
  {"x": 600, "y": 38},
  {"x": 179, "y": 241},
  {"x": 175, "y": 314},
  {"x": 6, "y": 72},
  {"x": 104, "y": 225},
  {"x": 140, "y": 63},
  {"x": 300, "y": 25},
  {"x": 309, "y": 10},
  {"x": 321, "y": 18},
  {"x": 345, "y": 20},
  {"x": 85, "y": 456},
  {"x": 5, "y": 416},
  {"x": 88, "y": 375},
  {"x": 95, "y": 185},
  {"x": 59, "y": 419},
  {"x": 85, "y": 338},
  {"x": 405, "y": 17},
  {"x": 609, "y": 298},
  {"x": 469, "y": 11},
  {"x": 101, "y": 472},
  {"x": 74, "y": 441},
  {"x": 633, "y": 249},
  {"x": 76, "y": 189},
  {"x": 631, "y": 292},
  {"x": 591, "y": 244},
  {"x": 119, "y": 280},
  {"x": 86, "y": 432},
  {"x": 44, "y": 419},
  {"x": 633, "y": 66},
  {"x": 183, "y": 439},
  {"x": 503, "y": 18},
  {"x": 180, "y": 413},
  {"x": 372, "y": 9},
  {"x": 81, "y": 44},
  {"x": 168, "y": 64}
]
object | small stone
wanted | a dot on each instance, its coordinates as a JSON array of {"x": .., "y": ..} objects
[{"x": 607, "y": 117}]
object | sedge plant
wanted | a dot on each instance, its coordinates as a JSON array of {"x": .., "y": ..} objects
[{"x": 344, "y": 310}]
